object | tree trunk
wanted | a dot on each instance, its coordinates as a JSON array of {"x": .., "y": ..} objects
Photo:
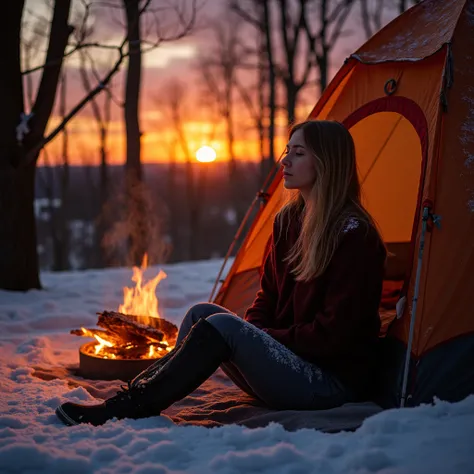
[
  {"x": 60, "y": 224},
  {"x": 132, "y": 90},
  {"x": 194, "y": 227},
  {"x": 234, "y": 178},
  {"x": 18, "y": 256},
  {"x": 134, "y": 184},
  {"x": 19, "y": 261},
  {"x": 173, "y": 221},
  {"x": 271, "y": 86},
  {"x": 291, "y": 94},
  {"x": 103, "y": 258},
  {"x": 193, "y": 207},
  {"x": 262, "y": 80},
  {"x": 323, "y": 71},
  {"x": 193, "y": 204}
]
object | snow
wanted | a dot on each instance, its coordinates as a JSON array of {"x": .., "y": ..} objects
[
  {"x": 416, "y": 38},
  {"x": 34, "y": 333}
]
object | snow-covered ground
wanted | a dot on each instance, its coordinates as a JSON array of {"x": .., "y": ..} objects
[{"x": 34, "y": 336}]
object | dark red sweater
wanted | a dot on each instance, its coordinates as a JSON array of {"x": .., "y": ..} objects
[{"x": 332, "y": 320}]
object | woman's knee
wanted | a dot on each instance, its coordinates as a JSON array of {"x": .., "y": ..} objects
[
  {"x": 203, "y": 310},
  {"x": 229, "y": 325}
]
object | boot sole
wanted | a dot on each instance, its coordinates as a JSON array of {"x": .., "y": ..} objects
[{"x": 63, "y": 416}]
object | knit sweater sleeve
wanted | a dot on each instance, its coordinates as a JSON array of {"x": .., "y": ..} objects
[
  {"x": 355, "y": 276},
  {"x": 261, "y": 313}
]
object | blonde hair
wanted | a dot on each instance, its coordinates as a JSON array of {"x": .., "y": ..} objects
[{"x": 334, "y": 199}]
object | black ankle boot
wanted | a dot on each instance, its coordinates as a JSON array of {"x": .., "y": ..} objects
[
  {"x": 72, "y": 413},
  {"x": 120, "y": 406},
  {"x": 194, "y": 361}
]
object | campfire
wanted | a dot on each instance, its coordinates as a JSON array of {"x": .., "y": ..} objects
[{"x": 135, "y": 332}]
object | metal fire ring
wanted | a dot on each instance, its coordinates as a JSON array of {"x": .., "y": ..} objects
[{"x": 97, "y": 368}]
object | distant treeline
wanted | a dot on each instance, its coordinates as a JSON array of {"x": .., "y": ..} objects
[{"x": 74, "y": 232}]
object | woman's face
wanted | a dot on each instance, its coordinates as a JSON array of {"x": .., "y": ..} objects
[{"x": 298, "y": 165}]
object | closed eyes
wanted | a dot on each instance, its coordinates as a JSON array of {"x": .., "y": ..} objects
[{"x": 297, "y": 153}]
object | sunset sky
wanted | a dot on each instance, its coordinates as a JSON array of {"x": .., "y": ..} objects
[{"x": 170, "y": 63}]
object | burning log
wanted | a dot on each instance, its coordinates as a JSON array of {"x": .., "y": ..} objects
[
  {"x": 131, "y": 337},
  {"x": 138, "y": 328},
  {"x": 89, "y": 332}
]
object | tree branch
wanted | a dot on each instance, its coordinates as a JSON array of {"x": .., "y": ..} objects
[
  {"x": 284, "y": 33},
  {"x": 39, "y": 142},
  {"x": 75, "y": 48},
  {"x": 245, "y": 15},
  {"x": 60, "y": 31},
  {"x": 364, "y": 11},
  {"x": 98, "y": 79},
  {"x": 340, "y": 20},
  {"x": 81, "y": 33},
  {"x": 31, "y": 155},
  {"x": 11, "y": 85},
  {"x": 88, "y": 87},
  {"x": 243, "y": 92}
]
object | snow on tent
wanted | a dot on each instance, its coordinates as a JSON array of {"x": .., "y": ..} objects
[{"x": 407, "y": 97}]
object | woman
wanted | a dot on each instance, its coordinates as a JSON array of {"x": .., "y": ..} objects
[{"x": 309, "y": 339}]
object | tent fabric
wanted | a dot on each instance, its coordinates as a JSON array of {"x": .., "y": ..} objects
[{"x": 407, "y": 98}]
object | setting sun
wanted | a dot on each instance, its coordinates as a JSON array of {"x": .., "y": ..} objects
[{"x": 206, "y": 154}]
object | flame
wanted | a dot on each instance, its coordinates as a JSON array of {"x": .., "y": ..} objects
[
  {"x": 87, "y": 332},
  {"x": 102, "y": 343},
  {"x": 141, "y": 300},
  {"x": 98, "y": 348}
]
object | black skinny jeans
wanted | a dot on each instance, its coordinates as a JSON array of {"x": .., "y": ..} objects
[{"x": 266, "y": 369}]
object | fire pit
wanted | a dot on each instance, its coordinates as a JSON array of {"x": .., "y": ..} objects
[
  {"x": 127, "y": 344},
  {"x": 95, "y": 367}
]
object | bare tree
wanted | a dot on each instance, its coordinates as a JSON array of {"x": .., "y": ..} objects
[
  {"x": 219, "y": 69},
  {"x": 61, "y": 243},
  {"x": 133, "y": 168},
  {"x": 372, "y": 12},
  {"x": 33, "y": 42},
  {"x": 171, "y": 192},
  {"x": 257, "y": 14},
  {"x": 135, "y": 185},
  {"x": 172, "y": 101},
  {"x": 291, "y": 22},
  {"x": 23, "y": 136},
  {"x": 102, "y": 115},
  {"x": 19, "y": 269},
  {"x": 324, "y": 34},
  {"x": 254, "y": 96},
  {"x": 372, "y": 15}
]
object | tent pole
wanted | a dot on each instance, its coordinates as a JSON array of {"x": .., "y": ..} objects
[
  {"x": 232, "y": 245},
  {"x": 426, "y": 215},
  {"x": 257, "y": 198}
]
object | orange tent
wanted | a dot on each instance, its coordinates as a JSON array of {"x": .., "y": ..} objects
[{"x": 407, "y": 97}]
